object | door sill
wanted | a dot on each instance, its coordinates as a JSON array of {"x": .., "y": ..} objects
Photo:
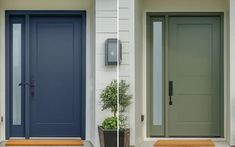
[
  {"x": 182, "y": 138},
  {"x": 47, "y": 138},
  {"x": 55, "y": 138},
  {"x": 16, "y": 138}
]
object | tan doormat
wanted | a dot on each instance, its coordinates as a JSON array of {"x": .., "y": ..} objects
[
  {"x": 45, "y": 142},
  {"x": 184, "y": 143}
]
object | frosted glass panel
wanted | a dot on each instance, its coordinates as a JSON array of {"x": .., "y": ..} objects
[
  {"x": 16, "y": 74},
  {"x": 157, "y": 73}
]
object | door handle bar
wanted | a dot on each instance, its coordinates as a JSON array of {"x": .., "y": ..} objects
[
  {"x": 26, "y": 84},
  {"x": 31, "y": 85},
  {"x": 170, "y": 92}
]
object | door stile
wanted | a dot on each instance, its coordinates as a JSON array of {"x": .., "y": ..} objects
[
  {"x": 166, "y": 71},
  {"x": 84, "y": 76},
  {"x": 8, "y": 71},
  {"x": 222, "y": 75},
  {"x": 27, "y": 78},
  {"x": 148, "y": 79},
  {"x": 14, "y": 128},
  {"x": 160, "y": 128}
]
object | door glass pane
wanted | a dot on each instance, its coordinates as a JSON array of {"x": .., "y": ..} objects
[
  {"x": 157, "y": 73},
  {"x": 16, "y": 74}
]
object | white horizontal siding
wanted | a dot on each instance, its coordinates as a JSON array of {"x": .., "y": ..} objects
[
  {"x": 106, "y": 14},
  {"x": 124, "y": 36},
  {"x": 127, "y": 66},
  {"x": 124, "y": 13},
  {"x": 100, "y": 41},
  {"x": 124, "y": 25},
  {"x": 125, "y": 47},
  {"x": 123, "y": 3},
  {"x": 106, "y": 27},
  {"x": 108, "y": 5}
]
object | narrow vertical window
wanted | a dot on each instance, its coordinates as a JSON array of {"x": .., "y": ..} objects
[
  {"x": 157, "y": 73},
  {"x": 16, "y": 74}
]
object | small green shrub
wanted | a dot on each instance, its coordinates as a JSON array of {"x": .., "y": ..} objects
[
  {"x": 109, "y": 99},
  {"x": 110, "y": 123}
]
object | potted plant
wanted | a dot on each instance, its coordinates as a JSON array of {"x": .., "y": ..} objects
[{"x": 114, "y": 125}]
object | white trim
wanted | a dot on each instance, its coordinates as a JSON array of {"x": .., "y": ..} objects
[
  {"x": 145, "y": 74},
  {"x": 132, "y": 68},
  {"x": 17, "y": 138}
]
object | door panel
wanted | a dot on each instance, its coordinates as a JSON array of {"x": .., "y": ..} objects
[
  {"x": 194, "y": 68},
  {"x": 56, "y": 72}
]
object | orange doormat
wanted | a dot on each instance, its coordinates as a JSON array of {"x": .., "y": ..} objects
[
  {"x": 184, "y": 143},
  {"x": 45, "y": 142}
]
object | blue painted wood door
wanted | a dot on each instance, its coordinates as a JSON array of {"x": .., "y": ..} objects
[{"x": 56, "y": 75}]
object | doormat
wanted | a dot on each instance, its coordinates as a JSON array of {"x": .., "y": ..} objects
[
  {"x": 184, "y": 143},
  {"x": 45, "y": 142}
]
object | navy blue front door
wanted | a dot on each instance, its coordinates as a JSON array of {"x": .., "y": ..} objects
[
  {"x": 51, "y": 93},
  {"x": 56, "y": 65}
]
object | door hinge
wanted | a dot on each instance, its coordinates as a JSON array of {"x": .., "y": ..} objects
[
  {"x": 142, "y": 118},
  {"x": 1, "y": 119}
]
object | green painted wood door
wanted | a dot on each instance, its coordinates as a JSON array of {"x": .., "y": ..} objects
[{"x": 194, "y": 57}]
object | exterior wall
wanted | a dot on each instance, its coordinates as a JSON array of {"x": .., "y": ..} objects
[
  {"x": 184, "y": 5},
  {"x": 107, "y": 18},
  {"x": 127, "y": 67},
  {"x": 106, "y": 27},
  {"x": 143, "y": 6},
  {"x": 87, "y": 5},
  {"x": 131, "y": 17}
]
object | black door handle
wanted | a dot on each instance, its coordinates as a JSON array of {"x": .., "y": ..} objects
[
  {"x": 170, "y": 92},
  {"x": 26, "y": 84},
  {"x": 32, "y": 82},
  {"x": 31, "y": 85}
]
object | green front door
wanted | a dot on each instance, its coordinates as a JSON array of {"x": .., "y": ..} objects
[
  {"x": 192, "y": 71},
  {"x": 194, "y": 68}
]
